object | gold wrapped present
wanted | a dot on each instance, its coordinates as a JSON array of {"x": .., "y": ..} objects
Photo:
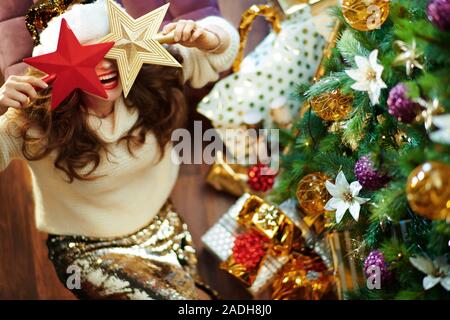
[
  {"x": 234, "y": 178},
  {"x": 270, "y": 221},
  {"x": 348, "y": 269},
  {"x": 279, "y": 233},
  {"x": 252, "y": 214},
  {"x": 231, "y": 178},
  {"x": 339, "y": 251},
  {"x": 283, "y": 237}
]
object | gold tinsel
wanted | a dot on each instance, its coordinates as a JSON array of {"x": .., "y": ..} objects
[
  {"x": 304, "y": 277},
  {"x": 365, "y": 15},
  {"x": 428, "y": 190},
  {"x": 40, "y": 14}
]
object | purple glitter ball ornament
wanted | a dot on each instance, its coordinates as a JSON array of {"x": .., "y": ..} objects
[
  {"x": 368, "y": 176},
  {"x": 438, "y": 12},
  {"x": 400, "y": 106},
  {"x": 376, "y": 258}
]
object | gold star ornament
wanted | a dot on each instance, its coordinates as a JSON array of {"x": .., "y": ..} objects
[
  {"x": 136, "y": 42},
  {"x": 409, "y": 56}
]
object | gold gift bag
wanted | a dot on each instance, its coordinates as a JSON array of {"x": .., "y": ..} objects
[{"x": 288, "y": 55}]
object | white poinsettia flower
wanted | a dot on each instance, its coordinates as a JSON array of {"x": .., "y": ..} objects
[
  {"x": 443, "y": 134},
  {"x": 437, "y": 271},
  {"x": 344, "y": 197},
  {"x": 368, "y": 76}
]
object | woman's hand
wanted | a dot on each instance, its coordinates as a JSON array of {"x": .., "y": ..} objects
[
  {"x": 18, "y": 91},
  {"x": 189, "y": 34}
]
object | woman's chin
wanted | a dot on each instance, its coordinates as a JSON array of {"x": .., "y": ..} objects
[{"x": 112, "y": 95}]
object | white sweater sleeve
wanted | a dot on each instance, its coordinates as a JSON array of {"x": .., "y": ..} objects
[
  {"x": 199, "y": 67},
  {"x": 10, "y": 142}
]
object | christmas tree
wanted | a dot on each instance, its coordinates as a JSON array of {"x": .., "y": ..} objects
[{"x": 370, "y": 152}]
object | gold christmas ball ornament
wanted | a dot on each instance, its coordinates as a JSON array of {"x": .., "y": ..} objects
[
  {"x": 312, "y": 195},
  {"x": 428, "y": 190},
  {"x": 332, "y": 106},
  {"x": 365, "y": 15}
]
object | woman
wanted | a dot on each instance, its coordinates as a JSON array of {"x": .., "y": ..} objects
[{"x": 102, "y": 169}]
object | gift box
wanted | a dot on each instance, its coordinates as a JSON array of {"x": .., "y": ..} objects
[
  {"x": 289, "y": 55},
  {"x": 238, "y": 179},
  {"x": 230, "y": 178},
  {"x": 349, "y": 253},
  {"x": 267, "y": 246},
  {"x": 348, "y": 269},
  {"x": 309, "y": 274},
  {"x": 337, "y": 250},
  {"x": 304, "y": 277},
  {"x": 251, "y": 214}
]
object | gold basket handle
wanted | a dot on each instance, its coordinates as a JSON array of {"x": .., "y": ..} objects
[{"x": 248, "y": 17}]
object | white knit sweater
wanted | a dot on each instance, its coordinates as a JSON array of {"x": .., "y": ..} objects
[{"x": 131, "y": 189}]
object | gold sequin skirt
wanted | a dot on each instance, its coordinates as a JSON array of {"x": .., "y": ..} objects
[{"x": 157, "y": 262}]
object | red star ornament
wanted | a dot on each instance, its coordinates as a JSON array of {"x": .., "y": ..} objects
[{"x": 72, "y": 66}]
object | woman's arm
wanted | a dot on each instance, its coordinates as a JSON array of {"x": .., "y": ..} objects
[
  {"x": 191, "y": 34},
  {"x": 208, "y": 47},
  {"x": 14, "y": 94},
  {"x": 17, "y": 90}
]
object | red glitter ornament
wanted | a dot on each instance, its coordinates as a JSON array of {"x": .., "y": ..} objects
[
  {"x": 249, "y": 249},
  {"x": 261, "y": 177}
]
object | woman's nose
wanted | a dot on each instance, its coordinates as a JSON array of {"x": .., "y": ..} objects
[{"x": 105, "y": 64}]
